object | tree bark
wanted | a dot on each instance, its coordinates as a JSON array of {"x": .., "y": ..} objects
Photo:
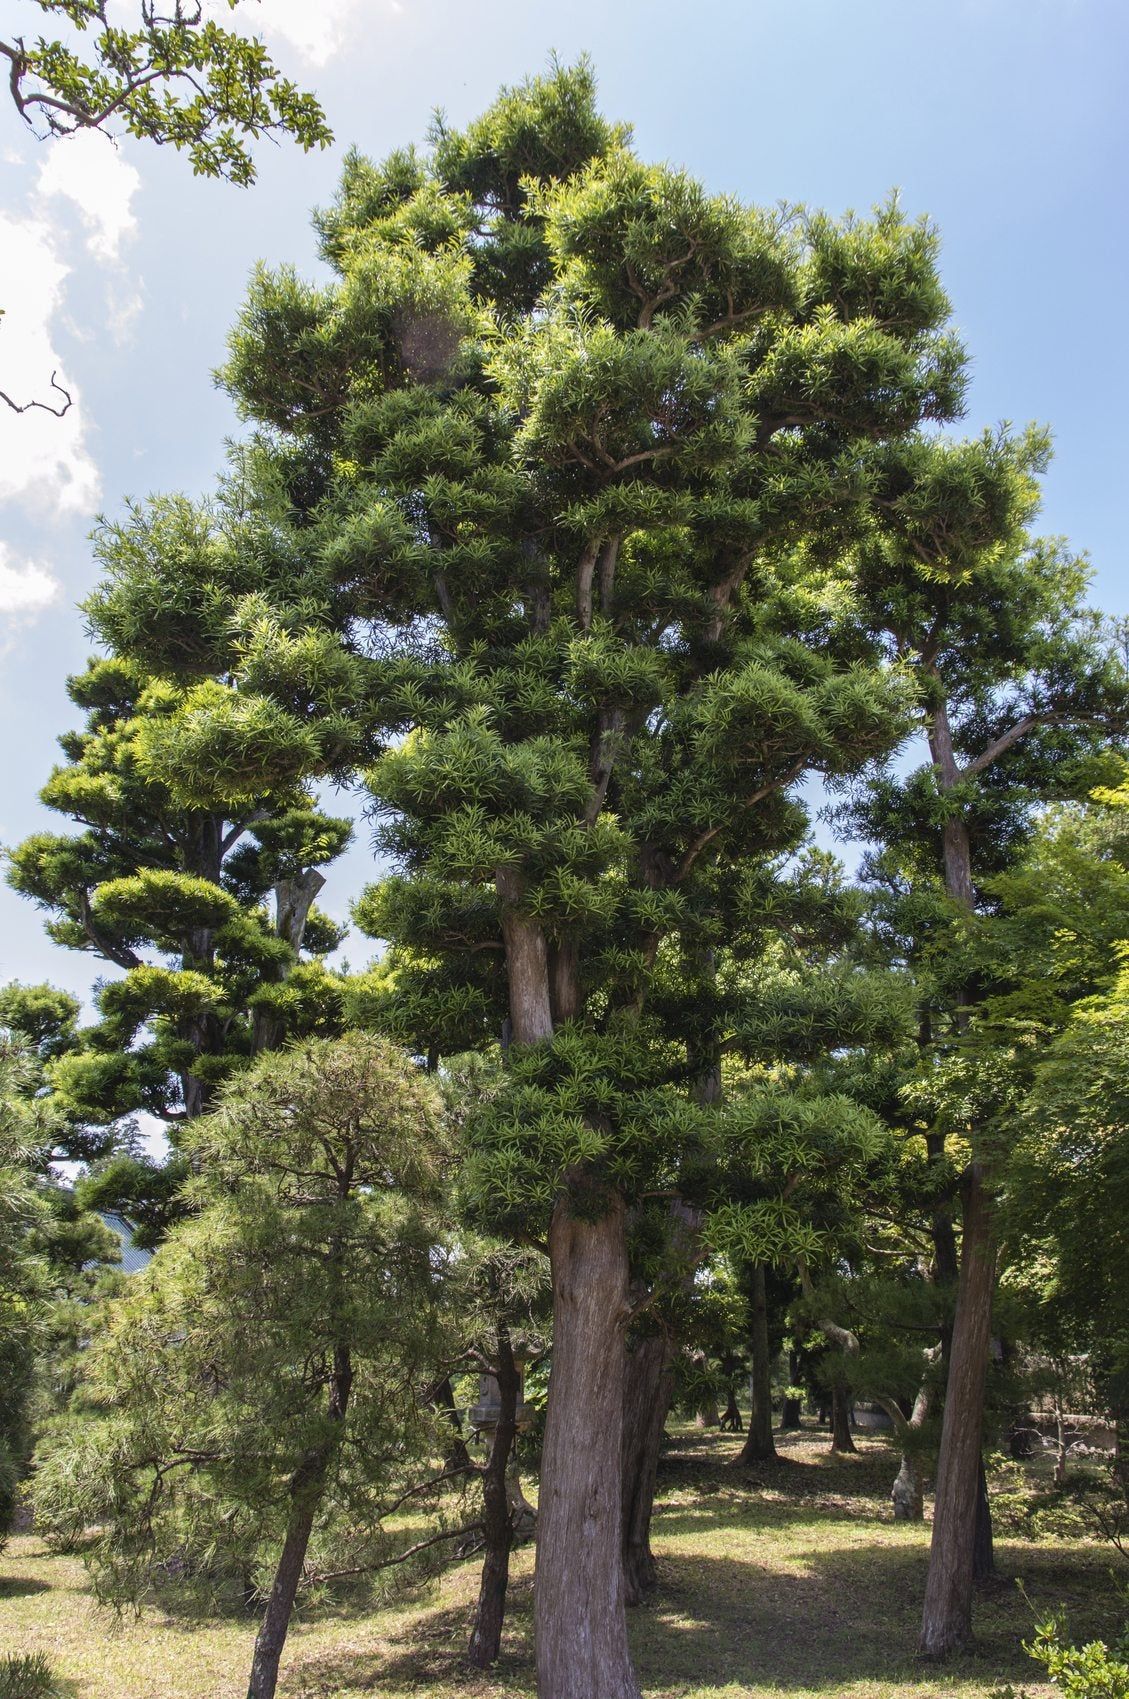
[
  {"x": 306, "y": 1489},
  {"x": 983, "y": 1554},
  {"x": 841, "y": 1439},
  {"x": 759, "y": 1446},
  {"x": 648, "y": 1387},
  {"x": 497, "y": 1525},
  {"x": 579, "y": 1618},
  {"x": 947, "y": 1616},
  {"x": 908, "y": 1491},
  {"x": 527, "y": 964}
]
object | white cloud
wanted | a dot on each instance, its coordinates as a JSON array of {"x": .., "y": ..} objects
[
  {"x": 44, "y": 461},
  {"x": 318, "y": 32},
  {"x": 88, "y": 170},
  {"x": 26, "y": 588}
]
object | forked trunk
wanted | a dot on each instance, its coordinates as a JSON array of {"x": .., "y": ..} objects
[
  {"x": 579, "y": 1617},
  {"x": 841, "y": 1438},
  {"x": 908, "y": 1490},
  {"x": 947, "y": 1618},
  {"x": 759, "y": 1446},
  {"x": 497, "y": 1526},
  {"x": 648, "y": 1386}
]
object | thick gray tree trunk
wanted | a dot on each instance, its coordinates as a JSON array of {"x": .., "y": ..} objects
[{"x": 579, "y": 1618}]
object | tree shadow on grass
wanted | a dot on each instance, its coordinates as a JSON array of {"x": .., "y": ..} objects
[
  {"x": 430, "y": 1653},
  {"x": 828, "y": 1619},
  {"x": 21, "y": 1586},
  {"x": 835, "y": 1617}
]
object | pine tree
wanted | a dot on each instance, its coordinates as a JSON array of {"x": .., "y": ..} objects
[
  {"x": 195, "y": 805},
  {"x": 260, "y": 1385}
]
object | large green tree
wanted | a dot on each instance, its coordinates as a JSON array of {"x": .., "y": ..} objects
[{"x": 550, "y": 430}]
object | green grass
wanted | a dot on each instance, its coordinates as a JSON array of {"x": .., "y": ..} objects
[{"x": 791, "y": 1581}]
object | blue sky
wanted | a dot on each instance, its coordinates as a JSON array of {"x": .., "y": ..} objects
[{"x": 1004, "y": 120}]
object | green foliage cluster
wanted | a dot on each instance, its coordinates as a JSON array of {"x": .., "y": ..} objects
[{"x": 178, "y": 79}]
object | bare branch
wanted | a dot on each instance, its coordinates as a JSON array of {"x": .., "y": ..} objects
[{"x": 44, "y": 406}]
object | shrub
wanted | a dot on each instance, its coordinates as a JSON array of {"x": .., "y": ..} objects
[{"x": 27, "y": 1678}]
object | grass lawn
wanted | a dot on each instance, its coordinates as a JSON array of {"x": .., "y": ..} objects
[{"x": 791, "y": 1581}]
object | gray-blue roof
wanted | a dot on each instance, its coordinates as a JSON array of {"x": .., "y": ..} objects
[{"x": 133, "y": 1258}]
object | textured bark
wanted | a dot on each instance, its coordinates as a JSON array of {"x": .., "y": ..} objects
[
  {"x": 579, "y": 1617},
  {"x": 497, "y": 1525},
  {"x": 306, "y": 1489},
  {"x": 908, "y": 1491},
  {"x": 648, "y": 1387},
  {"x": 759, "y": 1446},
  {"x": 947, "y": 1616},
  {"x": 983, "y": 1553},
  {"x": 527, "y": 964},
  {"x": 841, "y": 1439}
]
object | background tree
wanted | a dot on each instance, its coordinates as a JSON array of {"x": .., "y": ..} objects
[
  {"x": 262, "y": 1379},
  {"x": 1019, "y": 685},
  {"x": 196, "y": 808}
]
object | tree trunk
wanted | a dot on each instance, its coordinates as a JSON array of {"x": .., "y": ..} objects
[
  {"x": 527, "y": 963},
  {"x": 983, "y": 1554},
  {"x": 841, "y": 1439},
  {"x": 579, "y": 1617},
  {"x": 908, "y": 1491},
  {"x": 731, "y": 1419},
  {"x": 708, "y": 1416},
  {"x": 648, "y": 1387},
  {"x": 497, "y": 1525},
  {"x": 442, "y": 1400},
  {"x": 759, "y": 1446},
  {"x": 284, "y": 1589},
  {"x": 306, "y": 1489},
  {"x": 947, "y": 1618}
]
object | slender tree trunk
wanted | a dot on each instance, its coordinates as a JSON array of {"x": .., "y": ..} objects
[
  {"x": 486, "y": 1636},
  {"x": 579, "y": 1617},
  {"x": 647, "y": 1391},
  {"x": 731, "y": 1416},
  {"x": 841, "y": 1438},
  {"x": 908, "y": 1491},
  {"x": 759, "y": 1446},
  {"x": 306, "y": 1489},
  {"x": 947, "y": 1617},
  {"x": 284, "y": 1589}
]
